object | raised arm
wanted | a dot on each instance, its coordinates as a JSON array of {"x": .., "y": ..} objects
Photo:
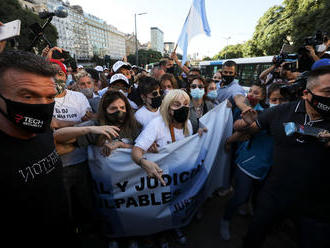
[{"x": 69, "y": 134}]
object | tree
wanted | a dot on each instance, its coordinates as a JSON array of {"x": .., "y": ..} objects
[
  {"x": 230, "y": 52},
  {"x": 288, "y": 23},
  {"x": 11, "y": 10},
  {"x": 145, "y": 57}
]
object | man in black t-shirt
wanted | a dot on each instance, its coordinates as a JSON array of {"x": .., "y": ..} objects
[
  {"x": 34, "y": 205},
  {"x": 298, "y": 185}
]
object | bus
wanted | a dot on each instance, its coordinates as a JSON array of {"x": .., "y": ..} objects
[{"x": 248, "y": 69}]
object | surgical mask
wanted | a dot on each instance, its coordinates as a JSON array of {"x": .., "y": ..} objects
[
  {"x": 156, "y": 102},
  {"x": 166, "y": 91},
  {"x": 88, "y": 92},
  {"x": 106, "y": 74},
  {"x": 117, "y": 117},
  {"x": 227, "y": 79},
  {"x": 197, "y": 93},
  {"x": 124, "y": 93},
  {"x": 272, "y": 105},
  {"x": 60, "y": 86},
  {"x": 33, "y": 118},
  {"x": 321, "y": 104},
  {"x": 212, "y": 94},
  {"x": 181, "y": 115},
  {"x": 320, "y": 48}
]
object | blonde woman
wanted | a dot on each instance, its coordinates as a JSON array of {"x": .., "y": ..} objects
[{"x": 172, "y": 125}]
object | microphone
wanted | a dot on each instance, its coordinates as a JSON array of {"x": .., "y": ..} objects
[{"x": 60, "y": 11}]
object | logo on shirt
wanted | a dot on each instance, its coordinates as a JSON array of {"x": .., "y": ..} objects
[{"x": 39, "y": 168}]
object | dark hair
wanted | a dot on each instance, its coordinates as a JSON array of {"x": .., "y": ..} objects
[
  {"x": 193, "y": 79},
  {"x": 147, "y": 85},
  {"x": 94, "y": 74},
  {"x": 130, "y": 127},
  {"x": 230, "y": 63},
  {"x": 274, "y": 87},
  {"x": 208, "y": 81},
  {"x": 170, "y": 77},
  {"x": 25, "y": 62},
  {"x": 263, "y": 90},
  {"x": 163, "y": 62},
  {"x": 195, "y": 69}
]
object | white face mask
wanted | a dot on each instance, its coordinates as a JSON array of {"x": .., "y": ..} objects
[
  {"x": 272, "y": 105},
  {"x": 321, "y": 48},
  {"x": 166, "y": 91},
  {"x": 124, "y": 93}
]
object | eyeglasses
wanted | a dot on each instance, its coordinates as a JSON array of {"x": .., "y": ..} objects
[
  {"x": 156, "y": 93},
  {"x": 194, "y": 86}
]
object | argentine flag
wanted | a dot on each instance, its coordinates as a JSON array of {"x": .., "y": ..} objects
[{"x": 196, "y": 23}]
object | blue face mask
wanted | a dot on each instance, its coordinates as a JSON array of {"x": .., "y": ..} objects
[
  {"x": 197, "y": 93},
  {"x": 212, "y": 94},
  {"x": 272, "y": 105}
]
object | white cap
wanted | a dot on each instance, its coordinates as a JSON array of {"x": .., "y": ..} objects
[
  {"x": 80, "y": 66},
  {"x": 120, "y": 64},
  {"x": 117, "y": 77},
  {"x": 99, "y": 68}
]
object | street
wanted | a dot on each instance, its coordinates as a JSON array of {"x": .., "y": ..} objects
[{"x": 205, "y": 232}]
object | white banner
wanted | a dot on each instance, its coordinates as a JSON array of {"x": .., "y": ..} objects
[{"x": 132, "y": 204}]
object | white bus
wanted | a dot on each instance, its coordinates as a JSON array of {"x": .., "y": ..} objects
[{"x": 248, "y": 69}]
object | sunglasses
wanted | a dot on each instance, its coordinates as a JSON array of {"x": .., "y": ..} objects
[
  {"x": 156, "y": 93},
  {"x": 194, "y": 86}
]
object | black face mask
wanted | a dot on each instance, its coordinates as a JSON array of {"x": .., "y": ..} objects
[
  {"x": 321, "y": 104},
  {"x": 156, "y": 102},
  {"x": 181, "y": 115},
  {"x": 227, "y": 79},
  {"x": 170, "y": 70},
  {"x": 116, "y": 118},
  {"x": 33, "y": 118}
]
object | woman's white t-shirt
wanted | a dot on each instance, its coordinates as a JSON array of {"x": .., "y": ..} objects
[
  {"x": 144, "y": 116},
  {"x": 157, "y": 131}
]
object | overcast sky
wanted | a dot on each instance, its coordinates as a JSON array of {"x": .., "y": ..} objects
[{"x": 227, "y": 18}]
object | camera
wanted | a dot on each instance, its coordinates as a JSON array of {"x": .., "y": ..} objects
[
  {"x": 295, "y": 91},
  {"x": 64, "y": 55},
  {"x": 318, "y": 39},
  {"x": 283, "y": 57}
]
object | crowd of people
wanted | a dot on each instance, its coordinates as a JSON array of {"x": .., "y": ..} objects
[{"x": 50, "y": 113}]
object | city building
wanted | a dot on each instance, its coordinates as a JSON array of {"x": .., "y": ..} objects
[
  {"x": 168, "y": 47},
  {"x": 157, "y": 39},
  {"x": 80, "y": 33}
]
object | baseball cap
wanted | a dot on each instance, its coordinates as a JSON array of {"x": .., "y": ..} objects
[
  {"x": 120, "y": 64},
  {"x": 62, "y": 66},
  {"x": 320, "y": 63},
  {"x": 118, "y": 77},
  {"x": 99, "y": 68}
]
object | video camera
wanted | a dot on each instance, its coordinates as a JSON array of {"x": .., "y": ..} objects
[
  {"x": 295, "y": 91},
  {"x": 284, "y": 57},
  {"x": 318, "y": 39}
]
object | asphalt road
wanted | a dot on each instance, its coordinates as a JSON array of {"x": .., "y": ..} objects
[{"x": 205, "y": 232}]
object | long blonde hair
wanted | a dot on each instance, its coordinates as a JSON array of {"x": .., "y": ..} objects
[{"x": 170, "y": 97}]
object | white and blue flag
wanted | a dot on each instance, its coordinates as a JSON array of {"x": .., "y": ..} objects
[{"x": 196, "y": 23}]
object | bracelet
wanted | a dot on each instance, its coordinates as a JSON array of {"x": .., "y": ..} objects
[{"x": 140, "y": 161}]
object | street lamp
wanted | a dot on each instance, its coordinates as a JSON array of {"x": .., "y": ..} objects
[
  {"x": 227, "y": 38},
  {"x": 136, "y": 41}
]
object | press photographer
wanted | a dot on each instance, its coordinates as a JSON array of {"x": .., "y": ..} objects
[{"x": 298, "y": 184}]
